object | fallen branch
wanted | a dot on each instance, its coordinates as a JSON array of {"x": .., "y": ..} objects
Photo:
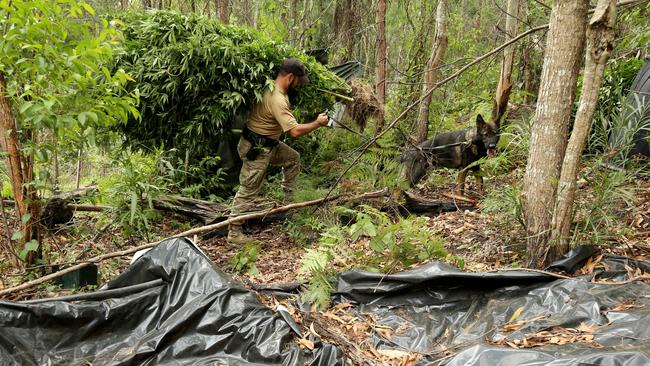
[
  {"x": 190, "y": 232},
  {"x": 75, "y": 207},
  {"x": 351, "y": 350},
  {"x": 459, "y": 198}
]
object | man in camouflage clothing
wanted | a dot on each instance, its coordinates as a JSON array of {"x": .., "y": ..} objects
[{"x": 260, "y": 147}]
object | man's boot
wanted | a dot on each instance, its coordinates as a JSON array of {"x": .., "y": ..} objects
[{"x": 236, "y": 236}]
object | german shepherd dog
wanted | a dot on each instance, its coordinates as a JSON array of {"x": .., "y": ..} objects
[{"x": 455, "y": 149}]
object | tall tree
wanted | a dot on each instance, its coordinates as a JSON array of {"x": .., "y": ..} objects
[
  {"x": 52, "y": 81},
  {"x": 565, "y": 43},
  {"x": 600, "y": 38},
  {"x": 381, "y": 55},
  {"x": 505, "y": 77},
  {"x": 431, "y": 70}
]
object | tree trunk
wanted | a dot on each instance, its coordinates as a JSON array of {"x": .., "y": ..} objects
[
  {"x": 600, "y": 38},
  {"x": 381, "y": 54},
  {"x": 125, "y": 4},
  {"x": 20, "y": 170},
  {"x": 146, "y": 4},
  {"x": 431, "y": 71},
  {"x": 12, "y": 146},
  {"x": 223, "y": 10},
  {"x": 79, "y": 167},
  {"x": 565, "y": 43},
  {"x": 293, "y": 23},
  {"x": 505, "y": 78}
]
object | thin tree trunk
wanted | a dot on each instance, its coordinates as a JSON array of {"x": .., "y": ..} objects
[
  {"x": 193, "y": 5},
  {"x": 505, "y": 78},
  {"x": 565, "y": 44},
  {"x": 381, "y": 55},
  {"x": 600, "y": 38},
  {"x": 223, "y": 10},
  {"x": 12, "y": 145},
  {"x": 79, "y": 167},
  {"x": 431, "y": 71},
  {"x": 526, "y": 72},
  {"x": 125, "y": 4},
  {"x": 293, "y": 23}
]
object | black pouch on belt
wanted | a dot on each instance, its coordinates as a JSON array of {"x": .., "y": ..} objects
[{"x": 258, "y": 142}]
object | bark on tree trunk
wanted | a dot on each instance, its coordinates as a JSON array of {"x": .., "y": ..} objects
[
  {"x": 12, "y": 145},
  {"x": 20, "y": 169},
  {"x": 79, "y": 167},
  {"x": 565, "y": 42},
  {"x": 600, "y": 39},
  {"x": 431, "y": 71},
  {"x": 505, "y": 79},
  {"x": 125, "y": 4},
  {"x": 293, "y": 30},
  {"x": 381, "y": 55},
  {"x": 223, "y": 10}
]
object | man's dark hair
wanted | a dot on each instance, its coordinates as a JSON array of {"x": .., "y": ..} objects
[{"x": 294, "y": 66}]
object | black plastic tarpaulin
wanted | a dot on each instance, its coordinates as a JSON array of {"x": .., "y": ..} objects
[
  {"x": 171, "y": 306},
  {"x": 455, "y": 318}
]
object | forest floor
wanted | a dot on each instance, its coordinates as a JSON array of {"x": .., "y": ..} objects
[{"x": 486, "y": 242}]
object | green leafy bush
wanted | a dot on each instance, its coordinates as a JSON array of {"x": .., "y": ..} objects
[
  {"x": 244, "y": 259},
  {"x": 197, "y": 77},
  {"x": 138, "y": 181}
]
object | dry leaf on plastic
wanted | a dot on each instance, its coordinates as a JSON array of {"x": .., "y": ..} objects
[{"x": 306, "y": 343}]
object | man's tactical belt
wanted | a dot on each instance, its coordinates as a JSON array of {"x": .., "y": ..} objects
[{"x": 258, "y": 142}]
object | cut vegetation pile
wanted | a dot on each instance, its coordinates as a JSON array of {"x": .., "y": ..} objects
[{"x": 365, "y": 103}]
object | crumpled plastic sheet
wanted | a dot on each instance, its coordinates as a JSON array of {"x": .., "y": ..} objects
[
  {"x": 450, "y": 316},
  {"x": 171, "y": 306}
]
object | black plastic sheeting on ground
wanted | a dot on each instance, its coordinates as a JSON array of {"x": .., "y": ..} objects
[
  {"x": 437, "y": 308},
  {"x": 171, "y": 306}
]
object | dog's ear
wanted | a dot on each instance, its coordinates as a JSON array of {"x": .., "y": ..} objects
[{"x": 480, "y": 122}]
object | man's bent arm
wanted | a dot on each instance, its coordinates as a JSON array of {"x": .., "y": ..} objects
[{"x": 305, "y": 128}]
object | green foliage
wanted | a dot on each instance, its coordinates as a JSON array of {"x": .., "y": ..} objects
[
  {"x": 506, "y": 201},
  {"x": 244, "y": 260},
  {"x": 30, "y": 246},
  {"x": 388, "y": 246},
  {"x": 138, "y": 181},
  {"x": 196, "y": 77},
  {"x": 54, "y": 62},
  {"x": 611, "y": 111},
  {"x": 599, "y": 211}
]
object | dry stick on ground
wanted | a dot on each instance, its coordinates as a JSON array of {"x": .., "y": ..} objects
[
  {"x": 351, "y": 350},
  {"x": 434, "y": 88},
  {"x": 188, "y": 233}
]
